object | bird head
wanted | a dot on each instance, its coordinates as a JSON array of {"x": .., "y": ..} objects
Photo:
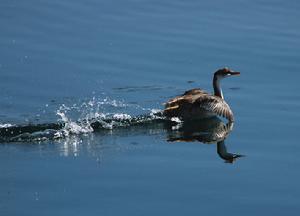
[{"x": 225, "y": 72}]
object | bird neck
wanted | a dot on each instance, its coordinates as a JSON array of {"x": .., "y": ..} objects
[
  {"x": 222, "y": 150},
  {"x": 217, "y": 88}
]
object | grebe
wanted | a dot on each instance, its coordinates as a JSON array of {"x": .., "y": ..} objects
[{"x": 197, "y": 103}]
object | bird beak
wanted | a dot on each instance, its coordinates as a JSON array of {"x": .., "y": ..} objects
[{"x": 235, "y": 73}]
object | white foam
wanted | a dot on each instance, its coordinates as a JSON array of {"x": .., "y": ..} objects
[
  {"x": 176, "y": 119},
  {"x": 121, "y": 116},
  {"x": 6, "y": 125},
  {"x": 72, "y": 127}
]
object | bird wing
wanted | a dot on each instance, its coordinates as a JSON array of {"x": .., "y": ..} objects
[
  {"x": 195, "y": 91},
  {"x": 216, "y": 105},
  {"x": 198, "y": 98},
  {"x": 188, "y": 97}
]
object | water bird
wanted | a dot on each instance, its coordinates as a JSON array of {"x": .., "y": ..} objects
[{"x": 198, "y": 104}]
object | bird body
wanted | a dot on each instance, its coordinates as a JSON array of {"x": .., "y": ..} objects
[{"x": 197, "y": 103}]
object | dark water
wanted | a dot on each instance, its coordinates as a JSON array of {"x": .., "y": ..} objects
[{"x": 76, "y": 77}]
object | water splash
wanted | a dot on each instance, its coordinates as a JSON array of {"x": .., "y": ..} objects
[
  {"x": 72, "y": 127},
  {"x": 7, "y": 125},
  {"x": 82, "y": 118}
]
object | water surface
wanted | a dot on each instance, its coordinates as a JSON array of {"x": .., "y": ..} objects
[{"x": 71, "y": 61}]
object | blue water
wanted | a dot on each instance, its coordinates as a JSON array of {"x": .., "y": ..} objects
[{"x": 63, "y": 62}]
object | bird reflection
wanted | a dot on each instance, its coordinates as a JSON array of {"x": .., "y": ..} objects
[
  {"x": 212, "y": 130},
  {"x": 207, "y": 131}
]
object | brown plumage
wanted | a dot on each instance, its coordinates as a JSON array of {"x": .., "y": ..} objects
[{"x": 197, "y": 103}]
